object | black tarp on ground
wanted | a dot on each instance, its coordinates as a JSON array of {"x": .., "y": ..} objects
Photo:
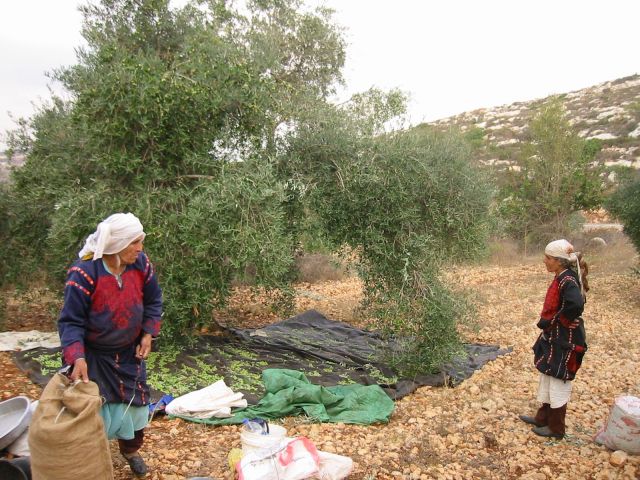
[{"x": 328, "y": 352}]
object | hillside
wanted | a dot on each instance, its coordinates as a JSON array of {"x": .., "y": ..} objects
[{"x": 609, "y": 112}]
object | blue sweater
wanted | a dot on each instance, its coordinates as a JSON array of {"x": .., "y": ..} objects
[{"x": 99, "y": 314}]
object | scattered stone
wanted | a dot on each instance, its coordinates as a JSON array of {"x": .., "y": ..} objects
[
  {"x": 489, "y": 405},
  {"x": 618, "y": 458},
  {"x": 596, "y": 243}
]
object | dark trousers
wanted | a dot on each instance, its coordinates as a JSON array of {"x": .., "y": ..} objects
[{"x": 128, "y": 447}]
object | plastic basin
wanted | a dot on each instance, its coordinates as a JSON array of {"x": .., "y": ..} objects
[{"x": 15, "y": 416}]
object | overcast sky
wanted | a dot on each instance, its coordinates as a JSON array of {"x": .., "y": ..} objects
[{"x": 451, "y": 56}]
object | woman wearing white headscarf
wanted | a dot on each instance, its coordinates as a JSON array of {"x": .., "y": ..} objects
[
  {"x": 112, "y": 309},
  {"x": 559, "y": 349}
]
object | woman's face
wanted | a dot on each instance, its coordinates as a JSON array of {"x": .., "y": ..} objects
[
  {"x": 130, "y": 254},
  {"x": 553, "y": 264}
]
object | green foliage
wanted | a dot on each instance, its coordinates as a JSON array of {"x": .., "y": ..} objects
[
  {"x": 172, "y": 117},
  {"x": 214, "y": 127},
  {"x": 49, "y": 363},
  {"x": 475, "y": 137},
  {"x": 421, "y": 321},
  {"x": 556, "y": 178},
  {"x": 624, "y": 204},
  {"x": 192, "y": 374},
  {"x": 405, "y": 203}
]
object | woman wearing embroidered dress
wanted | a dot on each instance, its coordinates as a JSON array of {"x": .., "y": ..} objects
[
  {"x": 559, "y": 349},
  {"x": 112, "y": 309}
]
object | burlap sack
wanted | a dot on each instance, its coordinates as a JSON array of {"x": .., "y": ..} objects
[{"x": 66, "y": 436}]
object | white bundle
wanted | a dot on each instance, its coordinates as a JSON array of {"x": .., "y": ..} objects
[{"x": 216, "y": 400}]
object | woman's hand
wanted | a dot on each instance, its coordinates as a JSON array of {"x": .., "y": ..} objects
[
  {"x": 144, "y": 349},
  {"x": 80, "y": 371}
]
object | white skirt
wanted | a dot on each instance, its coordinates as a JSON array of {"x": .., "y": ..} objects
[{"x": 554, "y": 391}]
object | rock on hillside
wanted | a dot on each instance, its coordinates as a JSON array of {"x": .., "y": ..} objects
[{"x": 609, "y": 112}]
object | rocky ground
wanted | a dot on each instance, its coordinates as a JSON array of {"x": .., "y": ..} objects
[{"x": 468, "y": 432}]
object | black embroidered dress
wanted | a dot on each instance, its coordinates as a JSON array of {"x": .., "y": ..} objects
[{"x": 559, "y": 349}]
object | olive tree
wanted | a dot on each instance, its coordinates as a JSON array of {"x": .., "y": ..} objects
[
  {"x": 172, "y": 116},
  {"x": 214, "y": 126},
  {"x": 555, "y": 179}
]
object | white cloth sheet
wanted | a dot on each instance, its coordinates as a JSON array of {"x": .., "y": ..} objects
[
  {"x": 10, "y": 341},
  {"x": 216, "y": 400}
]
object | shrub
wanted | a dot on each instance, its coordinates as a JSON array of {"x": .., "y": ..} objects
[
  {"x": 556, "y": 179},
  {"x": 624, "y": 204}
]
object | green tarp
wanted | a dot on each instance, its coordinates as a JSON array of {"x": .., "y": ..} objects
[{"x": 289, "y": 393}]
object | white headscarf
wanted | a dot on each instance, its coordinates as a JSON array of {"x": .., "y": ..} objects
[
  {"x": 113, "y": 235},
  {"x": 563, "y": 249}
]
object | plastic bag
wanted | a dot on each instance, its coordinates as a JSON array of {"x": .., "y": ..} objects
[
  {"x": 333, "y": 467},
  {"x": 295, "y": 459},
  {"x": 622, "y": 429}
]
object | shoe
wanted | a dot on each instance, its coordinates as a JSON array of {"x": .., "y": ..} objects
[
  {"x": 531, "y": 420},
  {"x": 545, "y": 432},
  {"x": 138, "y": 467}
]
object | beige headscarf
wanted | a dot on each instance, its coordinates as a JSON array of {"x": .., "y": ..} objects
[
  {"x": 563, "y": 249},
  {"x": 113, "y": 235}
]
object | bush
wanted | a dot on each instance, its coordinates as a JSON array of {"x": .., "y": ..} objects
[
  {"x": 624, "y": 204},
  {"x": 556, "y": 179}
]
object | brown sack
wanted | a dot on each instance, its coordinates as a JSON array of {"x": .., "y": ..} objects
[{"x": 66, "y": 435}]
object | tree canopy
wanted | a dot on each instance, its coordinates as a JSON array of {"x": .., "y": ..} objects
[{"x": 215, "y": 127}]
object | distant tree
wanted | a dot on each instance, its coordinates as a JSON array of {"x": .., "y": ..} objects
[
  {"x": 624, "y": 204},
  {"x": 556, "y": 178}
]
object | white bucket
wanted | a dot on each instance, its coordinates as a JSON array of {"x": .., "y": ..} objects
[{"x": 252, "y": 441}]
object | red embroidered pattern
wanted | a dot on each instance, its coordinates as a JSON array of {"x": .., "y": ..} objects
[
  {"x": 71, "y": 283},
  {"x": 152, "y": 326},
  {"x": 73, "y": 352},
  {"x": 81, "y": 272},
  {"x": 551, "y": 301},
  {"x": 121, "y": 302},
  {"x": 149, "y": 271}
]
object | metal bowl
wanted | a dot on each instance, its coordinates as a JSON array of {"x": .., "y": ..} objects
[{"x": 15, "y": 416}]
